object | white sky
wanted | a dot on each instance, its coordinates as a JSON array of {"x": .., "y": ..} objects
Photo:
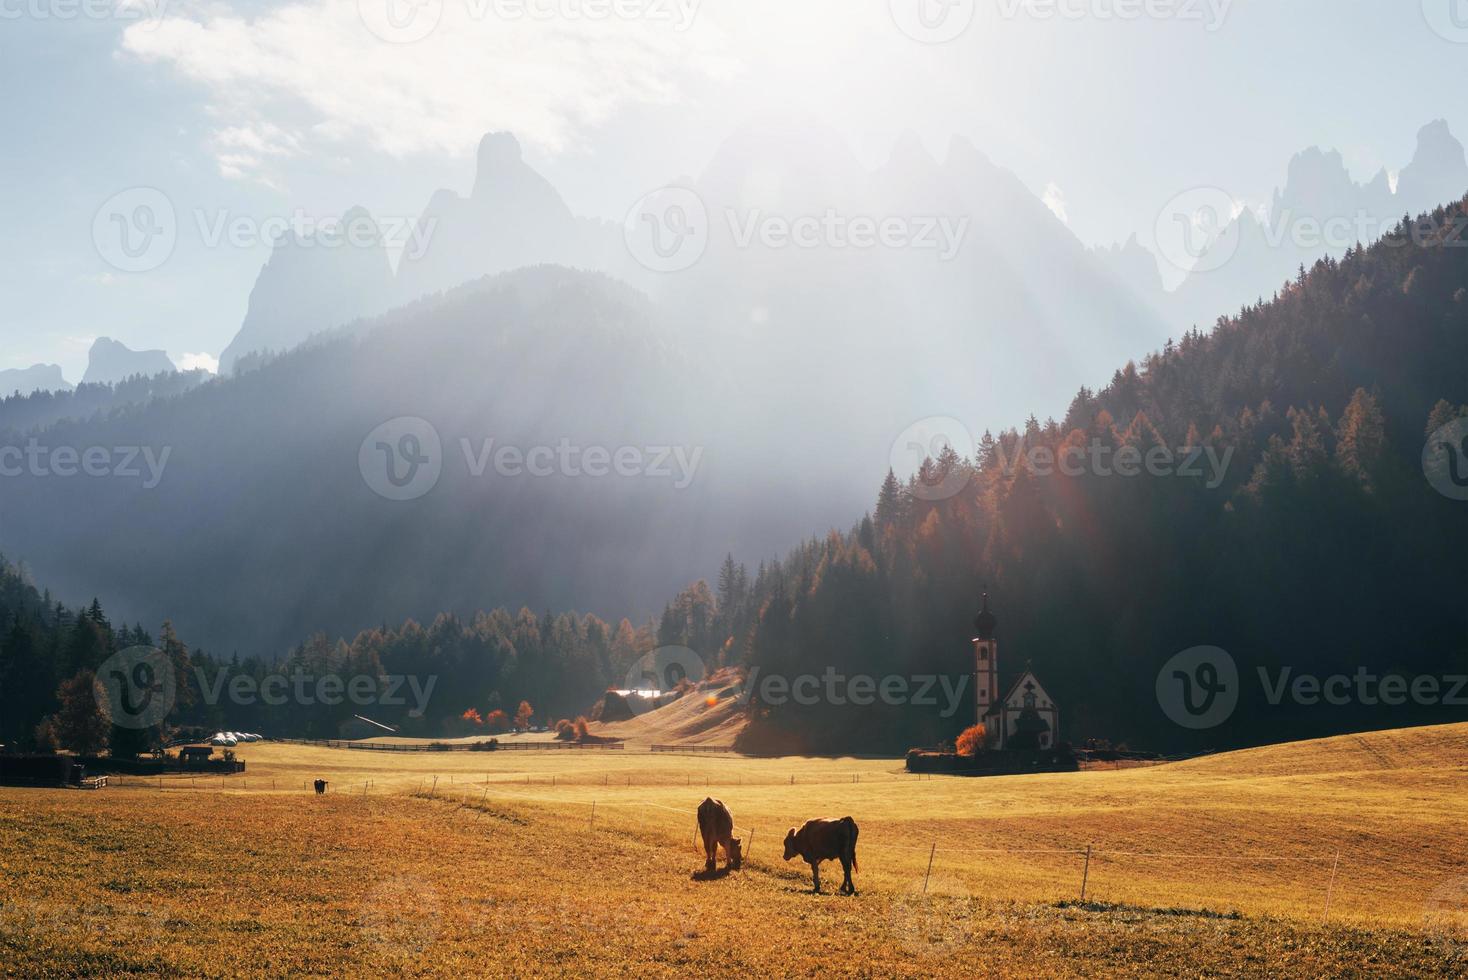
[{"x": 259, "y": 109}]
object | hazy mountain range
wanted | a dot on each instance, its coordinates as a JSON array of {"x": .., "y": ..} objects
[
  {"x": 108, "y": 362},
  {"x": 1319, "y": 210},
  {"x": 111, "y": 361},
  {"x": 783, "y": 373},
  {"x": 37, "y": 377},
  {"x": 997, "y": 277}
]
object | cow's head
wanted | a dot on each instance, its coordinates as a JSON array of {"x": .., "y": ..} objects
[
  {"x": 736, "y": 852},
  {"x": 790, "y": 848}
]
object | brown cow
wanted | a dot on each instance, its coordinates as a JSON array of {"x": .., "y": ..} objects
[
  {"x": 716, "y": 826},
  {"x": 825, "y": 840}
]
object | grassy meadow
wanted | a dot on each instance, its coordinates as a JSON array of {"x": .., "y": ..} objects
[{"x": 554, "y": 862}]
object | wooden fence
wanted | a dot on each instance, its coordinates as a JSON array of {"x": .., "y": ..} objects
[{"x": 451, "y": 746}]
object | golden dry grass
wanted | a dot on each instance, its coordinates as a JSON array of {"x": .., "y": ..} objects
[{"x": 504, "y": 871}]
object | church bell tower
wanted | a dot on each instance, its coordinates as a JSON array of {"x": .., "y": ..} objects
[{"x": 986, "y": 662}]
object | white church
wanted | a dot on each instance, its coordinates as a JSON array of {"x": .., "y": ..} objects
[{"x": 1025, "y": 716}]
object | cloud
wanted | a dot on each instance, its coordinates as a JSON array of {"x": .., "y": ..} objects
[
  {"x": 1054, "y": 199},
  {"x": 196, "y": 362},
  {"x": 311, "y": 74}
]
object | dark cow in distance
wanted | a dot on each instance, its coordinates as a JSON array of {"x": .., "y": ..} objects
[
  {"x": 825, "y": 840},
  {"x": 716, "y": 826},
  {"x": 320, "y": 786}
]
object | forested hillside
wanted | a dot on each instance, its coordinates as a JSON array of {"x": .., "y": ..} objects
[
  {"x": 422, "y": 679},
  {"x": 1294, "y": 529},
  {"x": 1322, "y": 548},
  {"x": 21, "y": 413}
]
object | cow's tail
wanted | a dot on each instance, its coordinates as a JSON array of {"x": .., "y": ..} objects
[{"x": 854, "y": 831}]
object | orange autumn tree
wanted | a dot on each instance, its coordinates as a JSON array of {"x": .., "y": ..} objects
[
  {"x": 523, "y": 715},
  {"x": 971, "y": 740}
]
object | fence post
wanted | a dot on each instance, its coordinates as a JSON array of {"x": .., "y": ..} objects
[
  {"x": 933, "y": 850},
  {"x": 1330, "y": 889},
  {"x": 593, "y": 814},
  {"x": 434, "y": 789},
  {"x": 1086, "y": 873},
  {"x": 750, "y": 851}
]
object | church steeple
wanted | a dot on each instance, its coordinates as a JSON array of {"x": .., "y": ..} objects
[
  {"x": 986, "y": 661},
  {"x": 985, "y": 621}
]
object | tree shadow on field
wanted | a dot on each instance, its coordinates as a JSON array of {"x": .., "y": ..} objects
[{"x": 714, "y": 875}]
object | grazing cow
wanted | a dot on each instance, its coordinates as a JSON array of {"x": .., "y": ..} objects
[
  {"x": 716, "y": 825},
  {"x": 320, "y": 786},
  {"x": 825, "y": 840}
]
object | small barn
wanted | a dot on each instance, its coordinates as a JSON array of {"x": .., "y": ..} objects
[
  {"x": 195, "y": 756},
  {"x": 40, "y": 770}
]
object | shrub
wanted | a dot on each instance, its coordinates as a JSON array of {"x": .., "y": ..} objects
[{"x": 972, "y": 740}]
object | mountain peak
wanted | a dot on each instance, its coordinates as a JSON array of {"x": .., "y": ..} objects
[
  {"x": 1437, "y": 137},
  {"x": 37, "y": 377},
  {"x": 1438, "y": 171},
  {"x": 1316, "y": 183},
  {"x": 111, "y": 361},
  {"x": 498, "y": 152},
  {"x": 965, "y": 157},
  {"x": 909, "y": 151}
]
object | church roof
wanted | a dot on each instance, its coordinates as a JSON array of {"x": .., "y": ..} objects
[
  {"x": 1028, "y": 673},
  {"x": 985, "y": 622}
]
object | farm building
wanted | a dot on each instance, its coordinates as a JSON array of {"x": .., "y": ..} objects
[
  {"x": 1025, "y": 717},
  {"x": 40, "y": 770},
  {"x": 195, "y": 755}
]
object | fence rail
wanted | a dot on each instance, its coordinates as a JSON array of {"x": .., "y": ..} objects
[
  {"x": 451, "y": 746},
  {"x": 693, "y": 748}
]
